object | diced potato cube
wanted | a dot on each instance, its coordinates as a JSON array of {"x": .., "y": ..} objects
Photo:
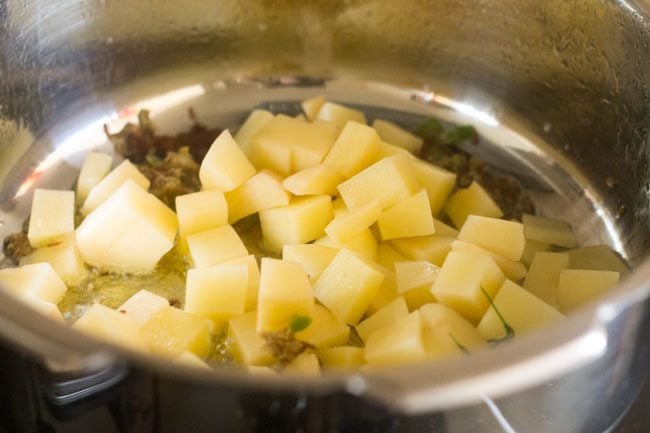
[
  {"x": 325, "y": 330},
  {"x": 63, "y": 257},
  {"x": 348, "y": 285},
  {"x": 340, "y": 115},
  {"x": 191, "y": 360},
  {"x": 301, "y": 221},
  {"x": 111, "y": 183},
  {"x": 436, "y": 181},
  {"x": 473, "y": 200},
  {"x": 413, "y": 274},
  {"x": 408, "y": 218},
  {"x": 284, "y": 293},
  {"x": 305, "y": 364},
  {"x": 218, "y": 292},
  {"x": 445, "y": 332},
  {"x": 249, "y": 346},
  {"x": 271, "y": 156},
  {"x": 339, "y": 207},
  {"x": 215, "y": 246},
  {"x": 319, "y": 179},
  {"x": 262, "y": 191},
  {"x": 312, "y": 106},
  {"x": 544, "y": 275},
  {"x": 533, "y": 247},
  {"x": 38, "y": 280},
  {"x": 109, "y": 325},
  {"x": 549, "y": 230},
  {"x": 387, "y": 256},
  {"x": 171, "y": 331},
  {"x": 443, "y": 229},
  {"x": 386, "y": 293},
  {"x": 433, "y": 249},
  {"x": 397, "y": 344},
  {"x": 502, "y": 237},
  {"x": 520, "y": 309},
  {"x": 597, "y": 258},
  {"x": 355, "y": 149},
  {"x": 52, "y": 217},
  {"x": 386, "y": 316},
  {"x": 513, "y": 270},
  {"x": 200, "y": 211},
  {"x": 351, "y": 224},
  {"x": 364, "y": 244},
  {"x": 225, "y": 166},
  {"x": 577, "y": 287},
  {"x": 313, "y": 258},
  {"x": 142, "y": 306},
  {"x": 257, "y": 120},
  {"x": 418, "y": 296},
  {"x": 261, "y": 370},
  {"x": 253, "y": 279},
  {"x": 343, "y": 359},
  {"x": 390, "y": 132},
  {"x": 94, "y": 168},
  {"x": 46, "y": 308},
  {"x": 387, "y": 149},
  {"x": 390, "y": 181},
  {"x": 461, "y": 281}
]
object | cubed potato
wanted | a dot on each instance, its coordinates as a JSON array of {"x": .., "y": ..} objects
[
  {"x": 257, "y": 120},
  {"x": 397, "y": 344},
  {"x": 64, "y": 258},
  {"x": 313, "y": 258},
  {"x": 225, "y": 166},
  {"x": 325, "y": 330},
  {"x": 461, "y": 281},
  {"x": 253, "y": 279},
  {"x": 111, "y": 183},
  {"x": 438, "y": 183},
  {"x": 502, "y": 237},
  {"x": 544, "y": 275},
  {"x": 577, "y": 287},
  {"x": 387, "y": 149},
  {"x": 408, "y": 218},
  {"x": 418, "y": 296},
  {"x": 385, "y": 316},
  {"x": 348, "y": 285},
  {"x": 343, "y": 358},
  {"x": 520, "y": 309},
  {"x": 445, "y": 332},
  {"x": 215, "y": 246},
  {"x": 351, "y": 224},
  {"x": 142, "y": 306},
  {"x": 52, "y": 217},
  {"x": 433, "y": 249},
  {"x": 387, "y": 256},
  {"x": 443, "y": 229},
  {"x": 389, "y": 180},
  {"x": 285, "y": 292},
  {"x": 270, "y": 155},
  {"x": 112, "y": 235},
  {"x": 171, "y": 331},
  {"x": 301, "y": 221},
  {"x": 473, "y": 200},
  {"x": 191, "y": 360},
  {"x": 355, "y": 149},
  {"x": 513, "y": 270},
  {"x": 319, "y": 179},
  {"x": 364, "y": 244},
  {"x": 262, "y": 191},
  {"x": 386, "y": 293},
  {"x": 38, "y": 280},
  {"x": 597, "y": 258},
  {"x": 394, "y": 134},
  {"x": 218, "y": 292},
  {"x": 111, "y": 326},
  {"x": 549, "y": 230},
  {"x": 339, "y": 114},
  {"x": 249, "y": 347},
  {"x": 413, "y": 274},
  {"x": 312, "y": 106},
  {"x": 339, "y": 207},
  {"x": 261, "y": 370},
  {"x": 305, "y": 364},
  {"x": 46, "y": 308},
  {"x": 95, "y": 167},
  {"x": 533, "y": 247},
  {"x": 200, "y": 211}
]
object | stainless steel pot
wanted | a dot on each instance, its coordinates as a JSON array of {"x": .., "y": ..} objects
[{"x": 571, "y": 76}]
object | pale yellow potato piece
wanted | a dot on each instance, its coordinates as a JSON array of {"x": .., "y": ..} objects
[
  {"x": 218, "y": 292},
  {"x": 521, "y": 310},
  {"x": 502, "y": 237},
  {"x": 257, "y": 120},
  {"x": 445, "y": 332},
  {"x": 38, "y": 280},
  {"x": 339, "y": 114},
  {"x": 261, "y": 370},
  {"x": 325, "y": 330},
  {"x": 385, "y": 316},
  {"x": 387, "y": 256},
  {"x": 142, "y": 306},
  {"x": 348, "y": 285},
  {"x": 200, "y": 211},
  {"x": 473, "y": 200},
  {"x": 305, "y": 364},
  {"x": 312, "y": 106},
  {"x": 171, "y": 331},
  {"x": 129, "y": 232},
  {"x": 549, "y": 230},
  {"x": 113, "y": 327},
  {"x": 225, "y": 166},
  {"x": 355, "y": 149},
  {"x": 389, "y": 180},
  {"x": 215, "y": 246},
  {"x": 191, "y": 360},
  {"x": 339, "y": 206},
  {"x": 64, "y": 258},
  {"x": 253, "y": 279},
  {"x": 319, "y": 179},
  {"x": 461, "y": 281},
  {"x": 443, "y": 229},
  {"x": 364, "y": 244},
  {"x": 408, "y": 218},
  {"x": 46, "y": 308},
  {"x": 413, "y": 274},
  {"x": 351, "y": 224},
  {"x": 285, "y": 292},
  {"x": 438, "y": 183},
  {"x": 433, "y": 248},
  {"x": 577, "y": 287},
  {"x": 249, "y": 347},
  {"x": 513, "y": 270},
  {"x": 386, "y": 293},
  {"x": 597, "y": 258},
  {"x": 312, "y": 257},
  {"x": 533, "y": 247},
  {"x": 544, "y": 275},
  {"x": 271, "y": 155},
  {"x": 95, "y": 167},
  {"x": 52, "y": 217},
  {"x": 418, "y": 296},
  {"x": 394, "y": 134},
  {"x": 387, "y": 149},
  {"x": 111, "y": 183},
  {"x": 262, "y": 191},
  {"x": 343, "y": 358},
  {"x": 397, "y": 344},
  {"x": 301, "y": 221}
]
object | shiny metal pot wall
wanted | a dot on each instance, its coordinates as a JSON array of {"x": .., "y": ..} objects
[{"x": 573, "y": 73}]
